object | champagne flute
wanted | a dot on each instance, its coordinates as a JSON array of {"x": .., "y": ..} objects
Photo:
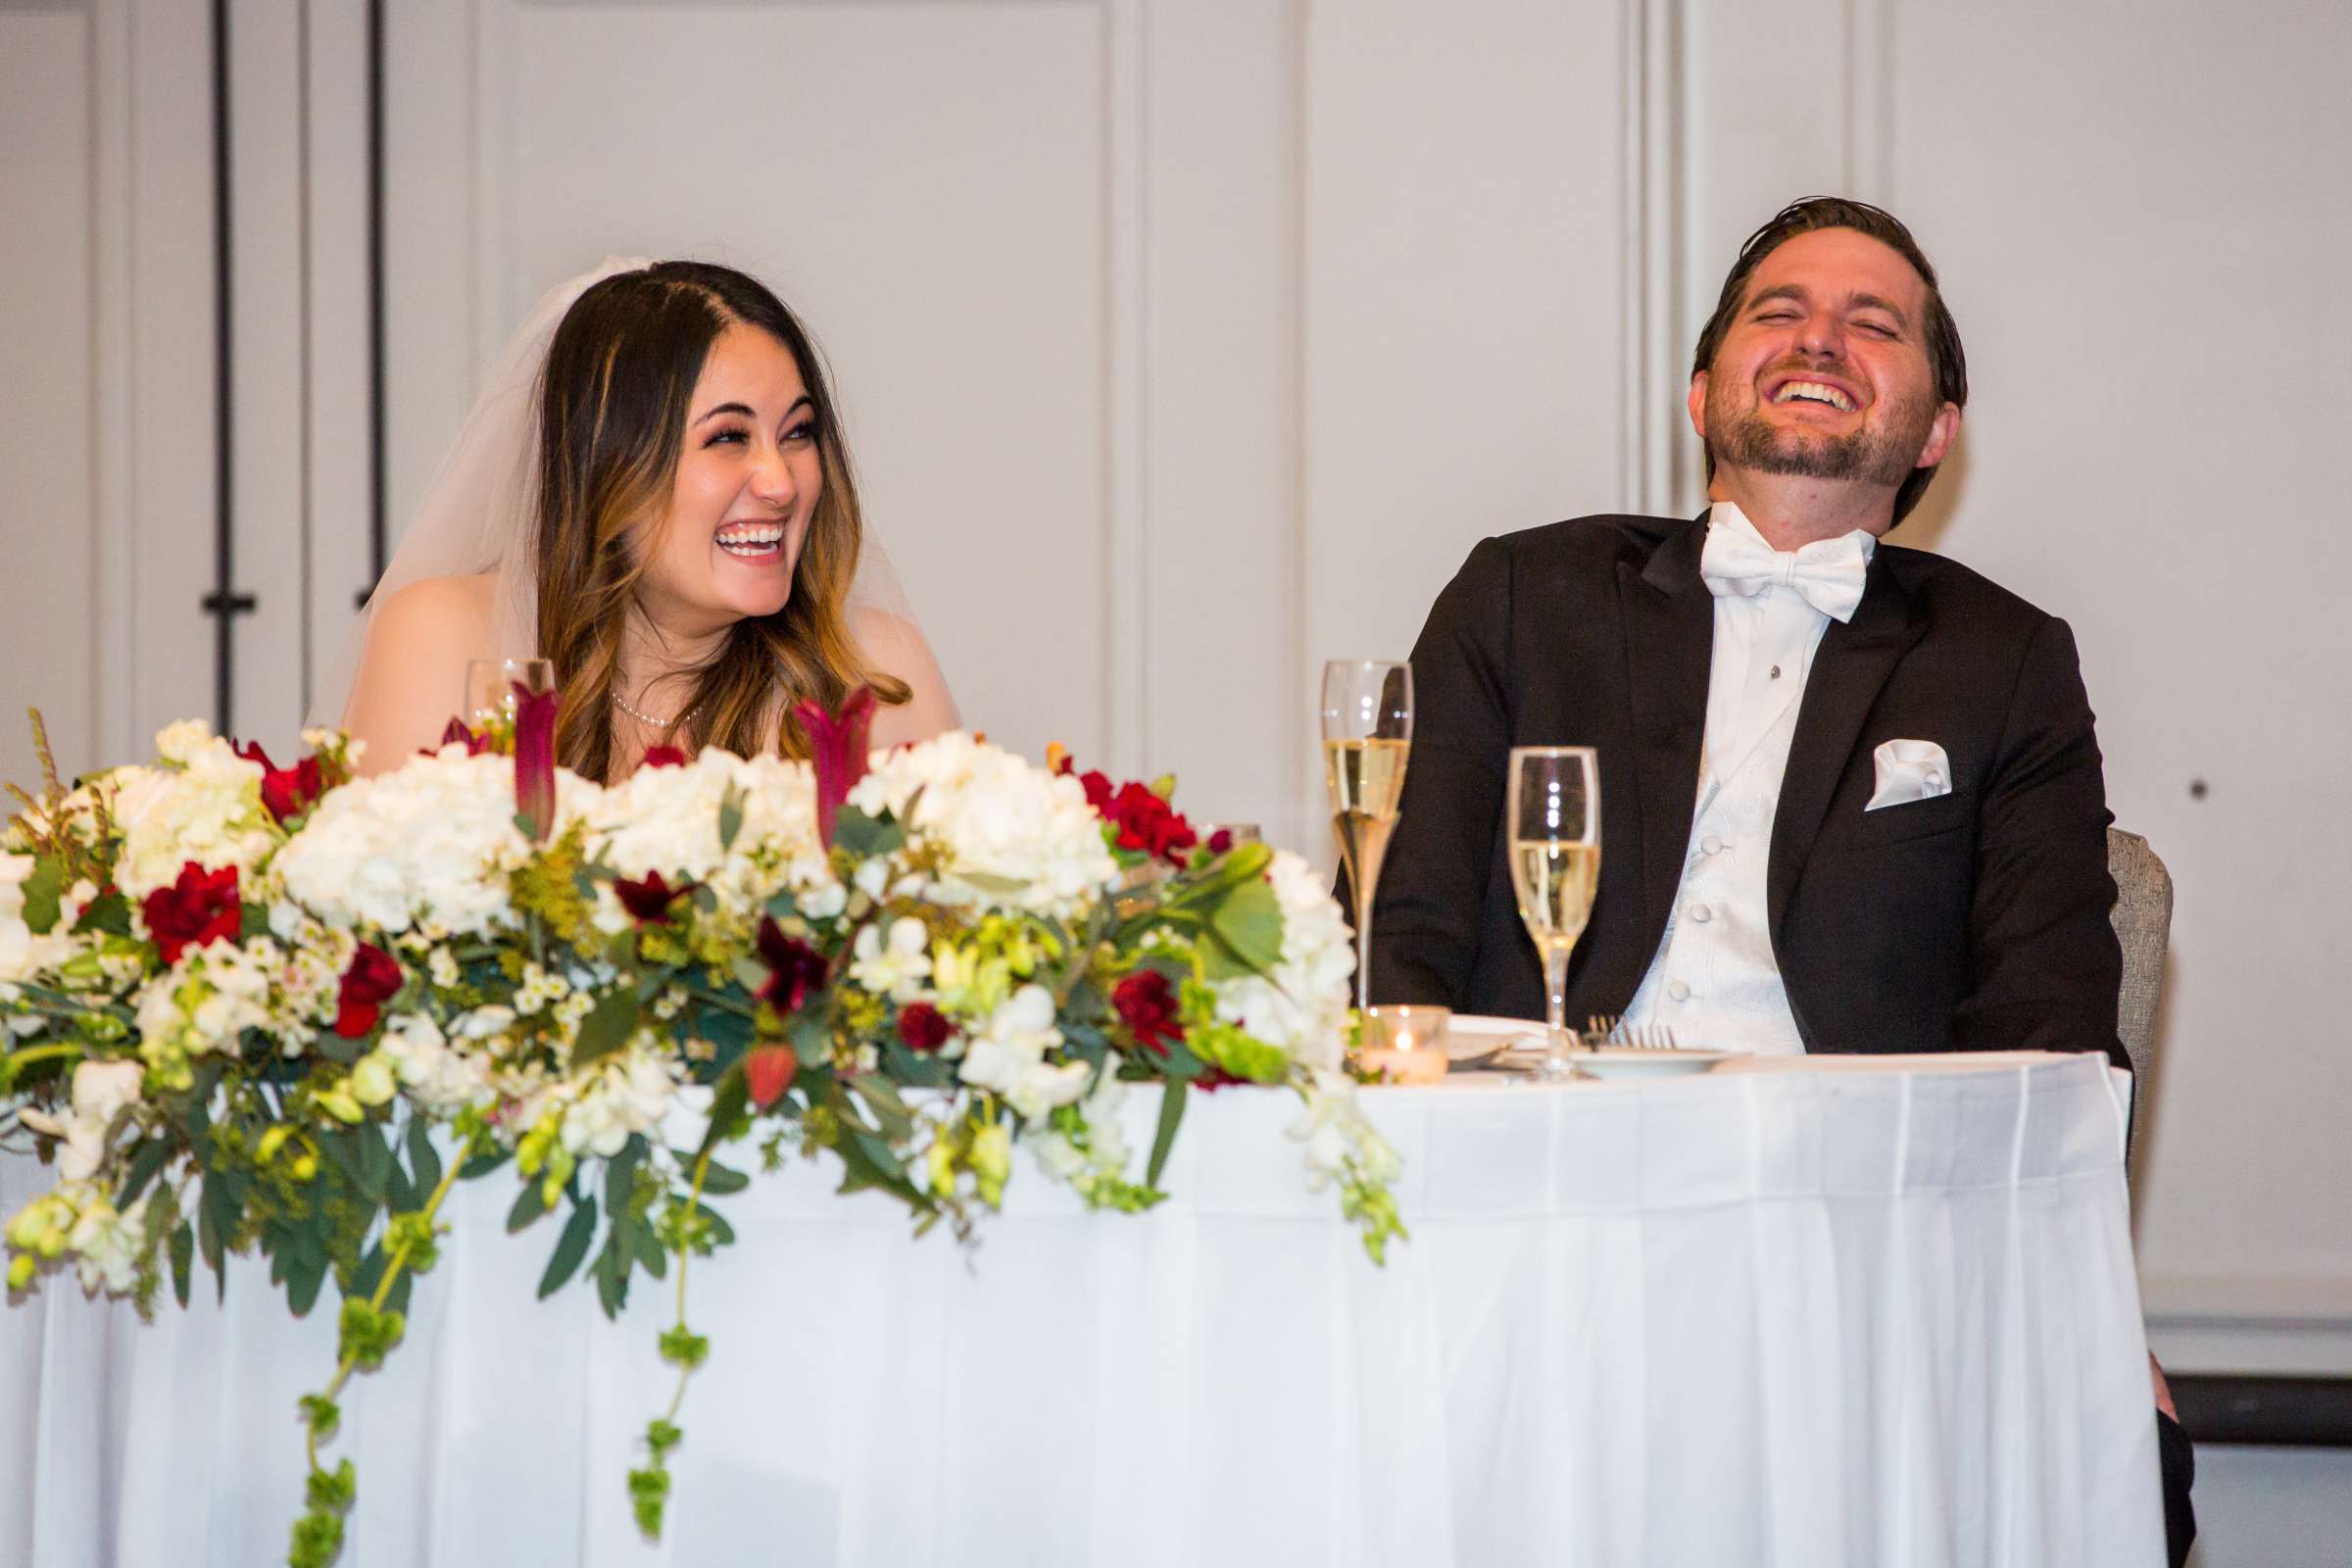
[
  {"x": 1555, "y": 815},
  {"x": 489, "y": 696},
  {"x": 1367, "y": 739}
]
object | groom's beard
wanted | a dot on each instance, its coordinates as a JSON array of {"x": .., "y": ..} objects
[{"x": 1883, "y": 449}]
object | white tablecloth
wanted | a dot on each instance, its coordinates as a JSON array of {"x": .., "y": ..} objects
[{"x": 1815, "y": 1313}]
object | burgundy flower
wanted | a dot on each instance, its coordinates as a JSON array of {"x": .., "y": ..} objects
[
  {"x": 1220, "y": 842},
  {"x": 768, "y": 1072},
  {"x": 1147, "y": 1006},
  {"x": 287, "y": 792},
  {"x": 454, "y": 731},
  {"x": 535, "y": 759},
  {"x": 663, "y": 757},
  {"x": 374, "y": 979},
  {"x": 198, "y": 909},
  {"x": 837, "y": 749},
  {"x": 648, "y": 902},
  {"x": 795, "y": 968},
  {"x": 1215, "y": 1078},
  {"x": 924, "y": 1027}
]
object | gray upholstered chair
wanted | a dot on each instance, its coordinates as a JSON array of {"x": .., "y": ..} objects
[{"x": 2143, "y": 926}]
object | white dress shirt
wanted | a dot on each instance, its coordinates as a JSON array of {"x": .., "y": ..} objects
[{"x": 1715, "y": 981}]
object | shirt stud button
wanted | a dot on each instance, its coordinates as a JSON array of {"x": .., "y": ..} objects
[
  {"x": 1710, "y": 845},
  {"x": 1934, "y": 780},
  {"x": 1701, "y": 913},
  {"x": 1679, "y": 992}
]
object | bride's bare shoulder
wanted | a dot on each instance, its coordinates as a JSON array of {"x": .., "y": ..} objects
[{"x": 443, "y": 608}]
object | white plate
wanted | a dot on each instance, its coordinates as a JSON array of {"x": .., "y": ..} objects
[
  {"x": 1472, "y": 1039},
  {"x": 1622, "y": 1061}
]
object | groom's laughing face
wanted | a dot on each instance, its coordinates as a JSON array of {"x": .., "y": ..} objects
[{"x": 1825, "y": 372}]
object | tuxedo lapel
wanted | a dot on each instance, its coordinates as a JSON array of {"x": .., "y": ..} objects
[
  {"x": 1669, "y": 641},
  {"x": 1852, "y": 663}
]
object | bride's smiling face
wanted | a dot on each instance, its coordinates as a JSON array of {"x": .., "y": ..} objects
[{"x": 748, "y": 480}]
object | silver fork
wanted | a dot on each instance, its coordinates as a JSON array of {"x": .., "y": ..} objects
[{"x": 1643, "y": 1037}]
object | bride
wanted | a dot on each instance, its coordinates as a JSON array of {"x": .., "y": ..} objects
[{"x": 659, "y": 500}]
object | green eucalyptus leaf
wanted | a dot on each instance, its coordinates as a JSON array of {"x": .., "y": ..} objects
[
  {"x": 718, "y": 1181},
  {"x": 1171, "y": 1115},
  {"x": 423, "y": 1158},
  {"x": 184, "y": 1251},
  {"x": 608, "y": 1026},
  {"x": 530, "y": 1205},
  {"x": 571, "y": 1247},
  {"x": 42, "y": 894},
  {"x": 143, "y": 1167},
  {"x": 1248, "y": 922}
]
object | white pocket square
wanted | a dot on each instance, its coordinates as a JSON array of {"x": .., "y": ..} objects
[{"x": 1909, "y": 771}]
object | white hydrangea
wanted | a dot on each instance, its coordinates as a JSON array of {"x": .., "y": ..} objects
[
  {"x": 1015, "y": 835},
  {"x": 1007, "y": 1055},
  {"x": 1302, "y": 1007},
  {"x": 207, "y": 809},
  {"x": 667, "y": 820},
  {"x": 427, "y": 847}
]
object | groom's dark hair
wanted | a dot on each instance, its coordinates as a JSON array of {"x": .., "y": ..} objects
[{"x": 1945, "y": 355}]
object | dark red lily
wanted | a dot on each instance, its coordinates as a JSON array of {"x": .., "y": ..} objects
[
  {"x": 837, "y": 749},
  {"x": 455, "y": 731},
  {"x": 535, "y": 759},
  {"x": 795, "y": 968},
  {"x": 648, "y": 902}
]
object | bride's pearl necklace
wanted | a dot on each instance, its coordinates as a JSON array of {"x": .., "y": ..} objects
[{"x": 643, "y": 717}]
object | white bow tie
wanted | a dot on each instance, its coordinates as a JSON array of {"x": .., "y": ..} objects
[{"x": 1829, "y": 573}]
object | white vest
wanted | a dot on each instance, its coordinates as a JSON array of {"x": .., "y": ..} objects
[{"x": 1714, "y": 982}]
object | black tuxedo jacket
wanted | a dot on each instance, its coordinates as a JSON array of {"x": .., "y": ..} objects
[{"x": 1977, "y": 919}]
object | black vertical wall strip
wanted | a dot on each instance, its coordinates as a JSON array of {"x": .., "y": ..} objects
[
  {"x": 377, "y": 540},
  {"x": 224, "y": 603}
]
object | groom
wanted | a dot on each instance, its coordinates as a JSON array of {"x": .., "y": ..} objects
[{"x": 1851, "y": 795}]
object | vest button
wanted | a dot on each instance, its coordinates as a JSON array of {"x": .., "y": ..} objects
[
  {"x": 1679, "y": 992},
  {"x": 1710, "y": 845},
  {"x": 1701, "y": 913}
]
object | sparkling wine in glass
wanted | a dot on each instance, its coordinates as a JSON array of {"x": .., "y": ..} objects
[
  {"x": 1367, "y": 740},
  {"x": 1554, "y": 813},
  {"x": 490, "y": 684}
]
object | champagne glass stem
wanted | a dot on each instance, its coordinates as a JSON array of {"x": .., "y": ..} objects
[
  {"x": 1363, "y": 947},
  {"x": 1555, "y": 1007}
]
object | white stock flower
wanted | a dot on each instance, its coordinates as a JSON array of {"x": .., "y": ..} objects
[
  {"x": 107, "y": 1248},
  {"x": 1338, "y": 1134},
  {"x": 102, "y": 1090},
  {"x": 427, "y": 846},
  {"x": 895, "y": 966},
  {"x": 1104, "y": 1155},
  {"x": 208, "y": 810},
  {"x": 1015, "y": 835},
  {"x": 1302, "y": 1007},
  {"x": 441, "y": 1080},
  {"x": 1007, "y": 1055},
  {"x": 628, "y": 1092}
]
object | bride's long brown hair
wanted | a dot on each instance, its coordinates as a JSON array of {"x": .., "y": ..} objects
[{"x": 612, "y": 409}]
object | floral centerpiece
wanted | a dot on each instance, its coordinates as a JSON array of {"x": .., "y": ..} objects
[{"x": 252, "y": 1008}]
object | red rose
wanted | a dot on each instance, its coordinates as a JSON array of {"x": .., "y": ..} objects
[
  {"x": 924, "y": 1027},
  {"x": 287, "y": 792},
  {"x": 768, "y": 1072},
  {"x": 795, "y": 968},
  {"x": 648, "y": 902},
  {"x": 1220, "y": 842},
  {"x": 374, "y": 979},
  {"x": 1147, "y": 1006},
  {"x": 198, "y": 909},
  {"x": 663, "y": 757},
  {"x": 1144, "y": 823}
]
